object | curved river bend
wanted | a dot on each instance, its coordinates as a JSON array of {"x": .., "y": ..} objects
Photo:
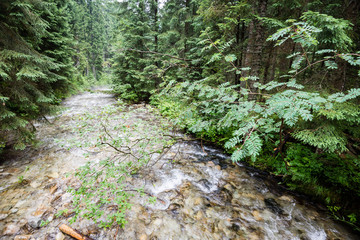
[{"x": 203, "y": 195}]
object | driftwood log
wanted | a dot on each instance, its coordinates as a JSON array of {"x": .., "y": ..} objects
[{"x": 72, "y": 232}]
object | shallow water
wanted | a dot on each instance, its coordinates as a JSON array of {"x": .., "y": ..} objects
[{"x": 201, "y": 194}]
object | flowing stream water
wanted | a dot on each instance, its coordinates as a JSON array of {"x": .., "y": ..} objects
[{"x": 203, "y": 195}]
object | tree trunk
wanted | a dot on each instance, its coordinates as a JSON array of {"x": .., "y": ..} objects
[
  {"x": 187, "y": 26},
  {"x": 255, "y": 45}
]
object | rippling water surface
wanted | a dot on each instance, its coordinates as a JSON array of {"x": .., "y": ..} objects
[{"x": 202, "y": 195}]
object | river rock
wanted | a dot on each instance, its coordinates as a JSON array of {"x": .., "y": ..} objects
[
  {"x": 53, "y": 189},
  {"x": 41, "y": 210},
  {"x": 253, "y": 236},
  {"x": 273, "y": 206},
  {"x": 22, "y": 237},
  {"x": 11, "y": 229},
  {"x": 3, "y": 216},
  {"x": 143, "y": 237},
  {"x": 92, "y": 229},
  {"x": 256, "y": 215},
  {"x": 210, "y": 164},
  {"x": 35, "y": 184},
  {"x": 20, "y": 203},
  {"x": 286, "y": 198},
  {"x": 224, "y": 227},
  {"x": 34, "y": 221},
  {"x": 60, "y": 236},
  {"x": 228, "y": 187},
  {"x": 198, "y": 201},
  {"x": 53, "y": 175},
  {"x": 14, "y": 210},
  {"x": 199, "y": 215}
]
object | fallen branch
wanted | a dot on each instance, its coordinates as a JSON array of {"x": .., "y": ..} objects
[{"x": 72, "y": 232}]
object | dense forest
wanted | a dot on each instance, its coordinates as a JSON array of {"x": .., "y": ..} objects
[{"x": 274, "y": 83}]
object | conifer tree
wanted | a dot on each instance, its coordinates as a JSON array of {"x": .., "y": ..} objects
[
  {"x": 134, "y": 65},
  {"x": 90, "y": 32},
  {"x": 30, "y": 77}
]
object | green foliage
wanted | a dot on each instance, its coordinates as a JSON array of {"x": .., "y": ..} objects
[
  {"x": 91, "y": 25},
  {"x": 335, "y": 31},
  {"x": 289, "y": 129},
  {"x": 105, "y": 188},
  {"x": 44, "y": 223},
  {"x": 34, "y": 65}
]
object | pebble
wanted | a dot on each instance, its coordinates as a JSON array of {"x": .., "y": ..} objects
[
  {"x": 5, "y": 174},
  {"x": 198, "y": 201},
  {"x": 256, "y": 215},
  {"x": 35, "y": 222},
  {"x": 53, "y": 189},
  {"x": 41, "y": 210},
  {"x": 60, "y": 236},
  {"x": 143, "y": 237},
  {"x": 286, "y": 198},
  {"x": 210, "y": 164},
  {"x": 3, "y": 216},
  {"x": 199, "y": 215},
  {"x": 14, "y": 210},
  {"x": 11, "y": 229},
  {"x": 20, "y": 203},
  {"x": 35, "y": 184},
  {"x": 228, "y": 187},
  {"x": 53, "y": 175},
  {"x": 22, "y": 237}
]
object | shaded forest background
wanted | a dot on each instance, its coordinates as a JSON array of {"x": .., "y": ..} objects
[{"x": 273, "y": 82}]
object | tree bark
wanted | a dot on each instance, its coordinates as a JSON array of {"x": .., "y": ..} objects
[{"x": 255, "y": 45}]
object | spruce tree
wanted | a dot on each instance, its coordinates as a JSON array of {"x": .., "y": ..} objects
[
  {"x": 30, "y": 76},
  {"x": 134, "y": 65}
]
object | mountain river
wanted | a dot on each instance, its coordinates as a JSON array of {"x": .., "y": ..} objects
[{"x": 203, "y": 195}]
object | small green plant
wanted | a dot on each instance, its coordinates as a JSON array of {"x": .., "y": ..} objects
[
  {"x": 44, "y": 223},
  {"x": 61, "y": 212},
  {"x": 21, "y": 179},
  {"x": 152, "y": 200}
]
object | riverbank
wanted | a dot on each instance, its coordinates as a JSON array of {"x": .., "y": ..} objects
[{"x": 199, "y": 193}]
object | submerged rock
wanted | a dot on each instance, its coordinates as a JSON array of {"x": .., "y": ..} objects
[{"x": 273, "y": 206}]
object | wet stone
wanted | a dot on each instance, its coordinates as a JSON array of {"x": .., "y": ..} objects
[
  {"x": 22, "y": 237},
  {"x": 205, "y": 183},
  {"x": 228, "y": 187},
  {"x": 60, "y": 236},
  {"x": 198, "y": 201},
  {"x": 199, "y": 215},
  {"x": 143, "y": 237},
  {"x": 3, "y": 216},
  {"x": 53, "y": 189},
  {"x": 35, "y": 184},
  {"x": 11, "y": 229},
  {"x": 53, "y": 175},
  {"x": 14, "y": 210},
  {"x": 196, "y": 208},
  {"x": 286, "y": 198},
  {"x": 210, "y": 164},
  {"x": 273, "y": 206},
  {"x": 35, "y": 222},
  {"x": 256, "y": 215}
]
